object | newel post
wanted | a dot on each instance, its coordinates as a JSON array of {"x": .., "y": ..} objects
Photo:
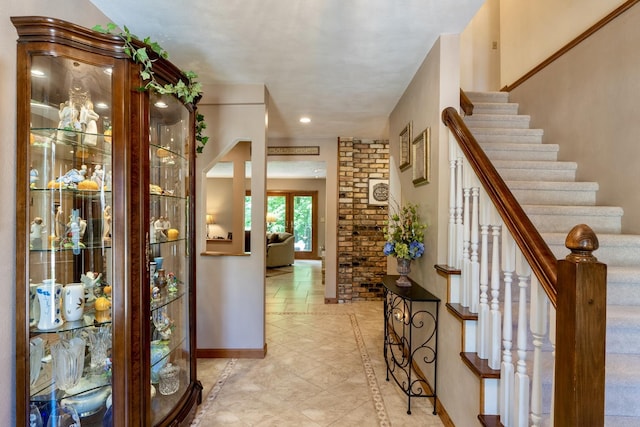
[{"x": 580, "y": 333}]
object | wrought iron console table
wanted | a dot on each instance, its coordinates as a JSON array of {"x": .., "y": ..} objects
[{"x": 411, "y": 335}]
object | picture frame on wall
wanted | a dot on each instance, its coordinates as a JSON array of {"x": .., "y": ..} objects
[
  {"x": 378, "y": 192},
  {"x": 421, "y": 151},
  {"x": 405, "y": 147}
]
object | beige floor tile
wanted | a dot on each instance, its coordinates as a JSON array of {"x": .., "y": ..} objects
[{"x": 324, "y": 366}]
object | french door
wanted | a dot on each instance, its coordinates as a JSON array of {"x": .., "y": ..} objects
[{"x": 295, "y": 212}]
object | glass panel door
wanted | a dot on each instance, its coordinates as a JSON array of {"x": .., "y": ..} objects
[
  {"x": 295, "y": 213},
  {"x": 170, "y": 249},
  {"x": 303, "y": 223},
  {"x": 69, "y": 263}
]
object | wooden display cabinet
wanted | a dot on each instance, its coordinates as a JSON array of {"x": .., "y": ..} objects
[{"x": 104, "y": 199}]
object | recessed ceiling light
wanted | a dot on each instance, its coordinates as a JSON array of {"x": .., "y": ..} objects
[
  {"x": 305, "y": 120},
  {"x": 101, "y": 105},
  {"x": 37, "y": 73},
  {"x": 161, "y": 104}
]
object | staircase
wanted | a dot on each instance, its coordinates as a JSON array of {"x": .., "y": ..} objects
[{"x": 555, "y": 202}]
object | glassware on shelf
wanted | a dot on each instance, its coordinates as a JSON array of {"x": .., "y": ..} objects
[
  {"x": 68, "y": 362},
  {"x": 73, "y": 301},
  {"x": 88, "y": 397},
  {"x": 169, "y": 379},
  {"x": 99, "y": 341},
  {"x": 107, "y": 418},
  {"x": 35, "y": 418},
  {"x": 34, "y": 304},
  {"x": 63, "y": 416},
  {"x": 159, "y": 352},
  {"x": 36, "y": 353},
  {"x": 49, "y": 299}
]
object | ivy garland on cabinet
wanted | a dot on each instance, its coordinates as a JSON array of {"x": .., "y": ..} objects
[{"x": 188, "y": 91}]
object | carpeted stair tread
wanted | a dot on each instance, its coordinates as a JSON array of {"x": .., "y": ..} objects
[
  {"x": 495, "y": 108},
  {"x": 512, "y": 136},
  {"x": 622, "y": 385},
  {"x": 553, "y": 218},
  {"x": 555, "y": 203},
  {"x": 615, "y": 250},
  {"x": 616, "y": 421},
  {"x": 551, "y": 185},
  {"x": 489, "y": 96},
  {"x": 623, "y": 334},
  {"x": 533, "y": 164},
  {"x": 554, "y": 192},
  {"x": 507, "y": 121},
  {"x": 510, "y": 151},
  {"x": 540, "y": 170}
]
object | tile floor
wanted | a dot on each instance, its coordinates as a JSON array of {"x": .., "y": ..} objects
[{"x": 324, "y": 366}]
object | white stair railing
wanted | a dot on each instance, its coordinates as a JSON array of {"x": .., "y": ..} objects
[{"x": 489, "y": 263}]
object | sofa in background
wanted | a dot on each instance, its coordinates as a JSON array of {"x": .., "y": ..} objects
[{"x": 280, "y": 249}]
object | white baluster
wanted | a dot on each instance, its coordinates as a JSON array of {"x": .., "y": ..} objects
[
  {"x": 451, "y": 258},
  {"x": 466, "y": 243},
  {"x": 459, "y": 211},
  {"x": 539, "y": 313},
  {"x": 474, "y": 281},
  {"x": 506, "y": 368},
  {"x": 483, "y": 309},
  {"x": 495, "y": 324},
  {"x": 521, "y": 384}
]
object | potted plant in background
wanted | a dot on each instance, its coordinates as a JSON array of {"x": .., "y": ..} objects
[{"x": 405, "y": 239}]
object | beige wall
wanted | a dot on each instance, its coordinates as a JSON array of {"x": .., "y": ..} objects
[
  {"x": 531, "y": 31},
  {"x": 480, "y": 50},
  {"x": 230, "y": 289},
  {"x": 79, "y": 12},
  {"x": 434, "y": 87},
  {"x": 587, "y": 102}
]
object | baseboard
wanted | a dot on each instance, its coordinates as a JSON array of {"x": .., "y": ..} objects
[
  {"x": 231, "y": 353},
  {"x": 331, "y": 300}
]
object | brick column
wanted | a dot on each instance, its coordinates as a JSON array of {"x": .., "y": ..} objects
[{"x": 361, "y": 263}]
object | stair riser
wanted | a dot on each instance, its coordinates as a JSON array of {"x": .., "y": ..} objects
[
  {"x": 619, "y": 256},
  {"x": 485, "y": 136},
  {"x": 518, "y": 174},
  {"x": 497, "y": 121},
  {"x": 495, "y": 108},
  {"x": 623, "y": 293},
  {"x": 623, "y": 340},
  {"x": 528, "y": 152},
  {"x": 622, "y": 400},
  {"x": 493, "y": 97},
  {"x": 562, "y": 223},
  {"x": 551, "y": 197}
]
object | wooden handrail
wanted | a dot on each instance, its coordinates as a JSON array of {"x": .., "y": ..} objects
[
  {"x": 573, "y": 43},
  {"x": 526, "y": 236},
  {"x": 466, "y": 104}
]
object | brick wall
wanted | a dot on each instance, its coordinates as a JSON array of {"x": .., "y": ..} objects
[{"x": 361, "y": 263}]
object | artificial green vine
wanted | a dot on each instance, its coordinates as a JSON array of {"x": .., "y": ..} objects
[{"x": 188, "y": 91}]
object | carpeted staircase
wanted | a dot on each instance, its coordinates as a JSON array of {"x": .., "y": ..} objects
[{"x": 555, "y": 202}]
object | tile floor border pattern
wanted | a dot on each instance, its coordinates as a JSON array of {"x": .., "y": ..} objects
[
  {"x": 367, "y": 366},
  {"x": 213, "y": 394}
]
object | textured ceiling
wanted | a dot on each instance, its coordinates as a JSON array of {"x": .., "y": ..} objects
[{"x": 344, "y": 63}]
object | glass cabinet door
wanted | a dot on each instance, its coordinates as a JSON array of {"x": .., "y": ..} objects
[
  {"x": 170, "y": 263},
  {"x": 69, "y": 264}
]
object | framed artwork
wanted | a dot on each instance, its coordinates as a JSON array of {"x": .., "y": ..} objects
[
  {"x": 405, "y": 147},
  {"x": 421, "y": 151},
  {"x": 378, "y": 192}
]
